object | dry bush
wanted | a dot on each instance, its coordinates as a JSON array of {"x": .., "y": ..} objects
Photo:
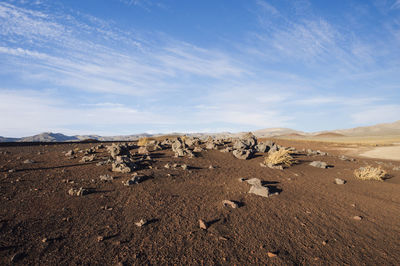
[
  {"x": 143, "y": 141},
  {"x": 370, "y": 173},
  {"x": 281, "y": 157}
]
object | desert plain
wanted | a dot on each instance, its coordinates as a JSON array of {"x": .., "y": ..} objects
[{"x": 70, "y": 203}]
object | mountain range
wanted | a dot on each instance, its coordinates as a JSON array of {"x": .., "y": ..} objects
[{"x": 375, "y": 130}]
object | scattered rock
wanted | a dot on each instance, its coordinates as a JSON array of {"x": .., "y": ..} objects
[
  {"x": 197, "y": 149},
  {"x": 202, "y": 224},
  {"x": 272, "y": 254},
  {"x": 243, "y": 154},
  {"x": 184, "y": 166},
  {"x": 257, "y": 188},
  {"x": 29, "y": 161},
  {"x": 106, "y": 178},
  {"x": 262, "y": 147},
  {"x": 88, "y": 158},
  {"x": 102, "y": 163},
  {"x": 78, "y": 192},
  {"x": 211, "y": 167},
  {"x": 141, "y": 223},
  {"x": 345, "y": 158},
  {"x": 181, "y": 149},
  {"x": 100, "y": 238},
  {"x": 241, "y": 179},
  {"x": 143, "y": 150},
  {"x": 229, "y": 203},
  {"x": 211, "y": 146},
  {"x": 227, "y": 149},
  {"x": 134, "y": 180},
  {"x": 357, "y": 218},
  {"x": 11, "y": 170},
  {"x": 167, "y": 166},
  {"x": 123, "y": 164},
  {"x": 90, "y": 151},
  {"x": 319, "y": 164},
  {"x": 397, "y": 168},
  {"x": 339, "y": 181},
  {"x": 118, "y": 150}
]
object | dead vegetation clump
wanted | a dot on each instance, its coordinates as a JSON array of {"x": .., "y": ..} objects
[
  {"x": 143, "y": 141},
  {"x": 280, "y": 157},
  {"x": 370, "y": 173}
]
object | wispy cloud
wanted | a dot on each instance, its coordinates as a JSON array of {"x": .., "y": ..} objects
[
  {"x": 396, "y": 4},
  {"x": 72, "y": 70}
]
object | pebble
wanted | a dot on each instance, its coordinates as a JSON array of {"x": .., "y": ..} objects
[
  {"x": 141, "y": 222},
  {"x": 271, "y": 254},
  {"x": 202, "y": 224},
  {"x": 357, "y": 218}
]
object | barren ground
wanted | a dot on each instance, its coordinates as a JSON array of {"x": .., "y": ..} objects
[{"x": 309, "y": 222}]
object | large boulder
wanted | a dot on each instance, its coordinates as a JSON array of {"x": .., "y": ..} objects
[{"x": 248, "y": 141}]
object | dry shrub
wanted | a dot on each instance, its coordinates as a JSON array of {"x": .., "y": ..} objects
[
  {"x": 143, "y": 141},
  {"x": 281, "y": 157},
  {"x": 370, "y": 173}
]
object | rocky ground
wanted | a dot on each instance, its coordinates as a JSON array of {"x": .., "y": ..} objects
[{"x": 192, "y": 201}]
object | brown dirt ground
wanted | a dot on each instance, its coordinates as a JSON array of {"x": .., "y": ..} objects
[{"x": 310, "y": 222}]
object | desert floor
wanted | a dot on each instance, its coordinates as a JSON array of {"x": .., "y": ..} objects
[{"x": 311, "y": 220}]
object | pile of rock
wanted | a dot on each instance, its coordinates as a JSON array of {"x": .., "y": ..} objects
[
  {"x": 181, "y": 149},
  {"x": 121, "y": 158},
  {"x": 245, "y": 147}
]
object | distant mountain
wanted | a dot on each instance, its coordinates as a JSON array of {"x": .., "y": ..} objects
[
  {"x": 48, "y": 137},
  {"x": 273, "y": 132},
  {"x": 3, "y": 139},
  {"x": 376, "y": 130}
]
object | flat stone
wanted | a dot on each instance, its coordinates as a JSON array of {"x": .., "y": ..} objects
[
  {"x": 254, "y": 182},
  {"x": 339, "y": 181},
  {"x": 319, "y": 164},
  {"x": 260, "y": 191}
]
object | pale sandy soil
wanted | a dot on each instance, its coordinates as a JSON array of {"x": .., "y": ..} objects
[{"x": 388, "y": 153}]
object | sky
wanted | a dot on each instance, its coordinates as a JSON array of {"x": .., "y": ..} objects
[{"x": 120, "y": 67}]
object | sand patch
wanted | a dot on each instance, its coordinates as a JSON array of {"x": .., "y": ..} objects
[{"x": 388, "y": 153}]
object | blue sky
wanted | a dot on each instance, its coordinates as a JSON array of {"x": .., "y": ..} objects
[{"x": 115, "y": 67}]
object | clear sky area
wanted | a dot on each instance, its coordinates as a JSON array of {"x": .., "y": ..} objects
[{"x": 119, "y": 67}]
